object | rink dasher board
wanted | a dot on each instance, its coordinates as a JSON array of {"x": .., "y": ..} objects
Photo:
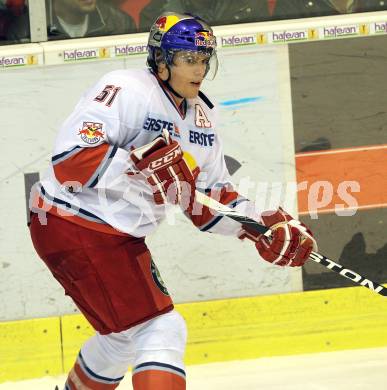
[
  {"x": 222, "y": 330},
  {"x": 280, "y": 32}
]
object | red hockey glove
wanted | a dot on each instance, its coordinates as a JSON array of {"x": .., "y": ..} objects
[
  {"x": 165, "y": 169},
  {"x": 291, "y": 241}
]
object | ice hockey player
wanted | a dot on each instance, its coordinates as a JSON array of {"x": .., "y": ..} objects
[{"x": 135, "y": 142}]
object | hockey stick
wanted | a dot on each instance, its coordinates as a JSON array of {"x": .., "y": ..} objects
[{"x": 226, "y": 211}]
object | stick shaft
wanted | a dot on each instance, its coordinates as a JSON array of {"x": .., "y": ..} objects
[{"x": 226, "y": 211}]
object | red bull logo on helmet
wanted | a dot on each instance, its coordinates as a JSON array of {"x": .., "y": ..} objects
[
  {"x": 91, "y": 132},
  {"x": 205, "y": 39},
  {"x": 164, "y": 23}
]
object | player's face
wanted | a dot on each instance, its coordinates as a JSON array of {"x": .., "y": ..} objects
[
  {"x": 83, "y": 6},
  {"x": 188, "y": 72}
]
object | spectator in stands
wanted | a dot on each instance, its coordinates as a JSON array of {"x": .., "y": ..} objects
[
  {"x": 218, "y": 12},
  {"x": 14, "y": 6},
  {"x": 292, "y": 9},
  {"x": 143, "y": 12},
  {"x": 9, "y": 10},
  {"x": 76, "y": 19}
]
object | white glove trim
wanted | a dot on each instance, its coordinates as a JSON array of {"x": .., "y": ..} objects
[
  {"x": 159, "y": 186},
  {"x": 177, "y": 182},
  {"x": 285, "y": 245}
]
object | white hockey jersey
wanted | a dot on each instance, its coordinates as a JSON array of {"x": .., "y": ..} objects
[{"x": 87, "y": 181}]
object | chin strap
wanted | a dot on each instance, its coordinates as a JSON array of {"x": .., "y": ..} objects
[
  {"x": 168, "y": 86},
  {"x": 166, "y": 82}
]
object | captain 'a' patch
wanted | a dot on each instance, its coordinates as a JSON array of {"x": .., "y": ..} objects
[{"x": 201, "y": 119}]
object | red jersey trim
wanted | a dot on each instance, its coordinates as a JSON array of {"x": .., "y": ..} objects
[
  {"x": 42, "y": 202},
  {"x": 203, "y": 217},
  {"x": 83, "y": 165}
]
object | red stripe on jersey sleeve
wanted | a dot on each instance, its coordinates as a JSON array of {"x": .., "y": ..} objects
[
  {"x": 201, "y": 215},
  {"x": 81, "y": 166}
]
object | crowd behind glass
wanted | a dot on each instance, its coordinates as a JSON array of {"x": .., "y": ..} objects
[{"x": 90, "y": 18}]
